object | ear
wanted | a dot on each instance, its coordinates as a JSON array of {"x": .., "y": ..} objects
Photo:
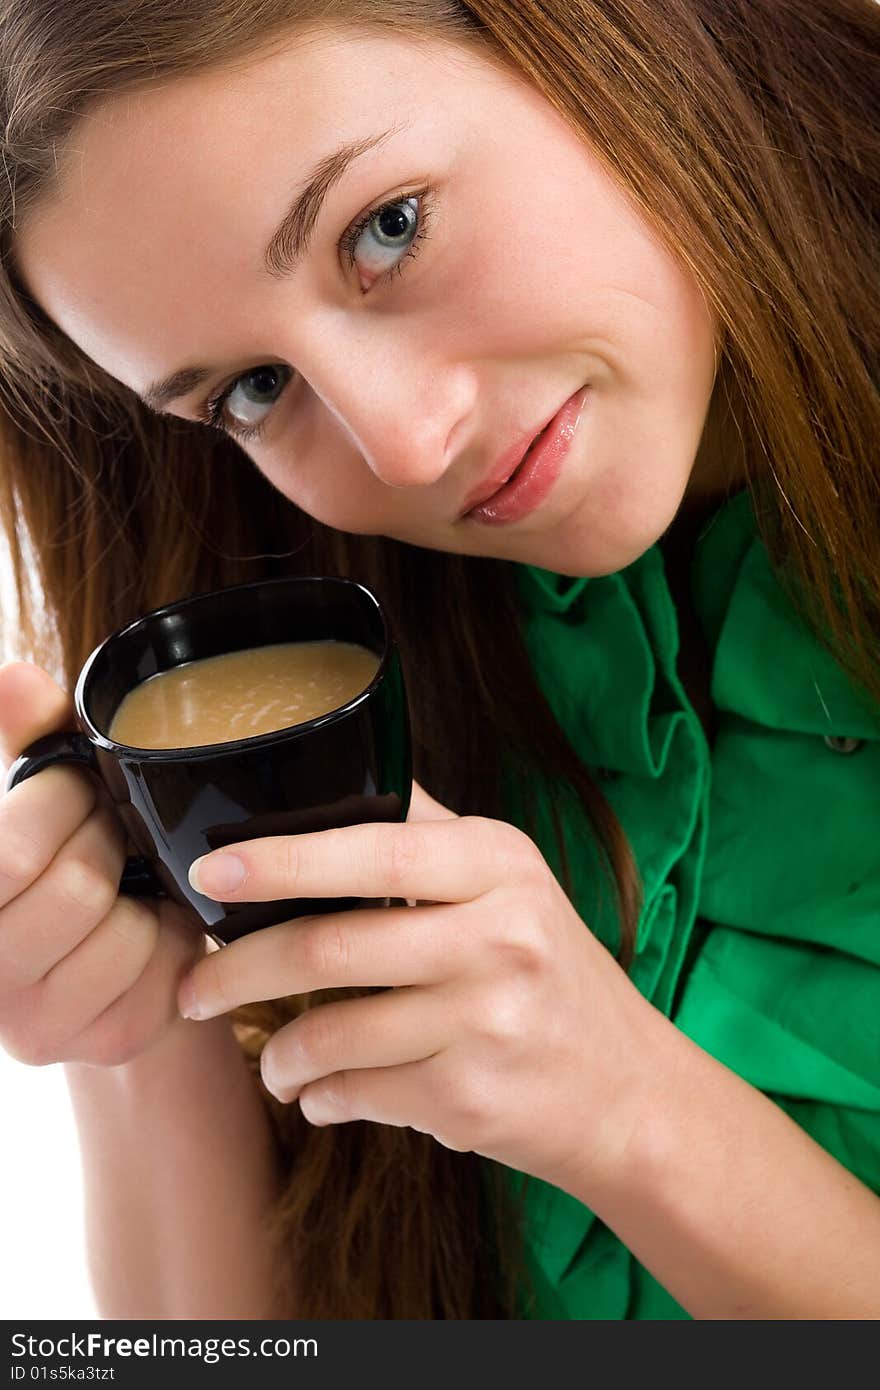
[{"x": 424, "y": 807}]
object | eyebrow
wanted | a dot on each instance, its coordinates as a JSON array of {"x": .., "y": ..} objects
[{"x": 288, "y": 246}]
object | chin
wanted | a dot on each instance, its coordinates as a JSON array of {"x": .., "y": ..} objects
[{"x": 598, "y": 549}]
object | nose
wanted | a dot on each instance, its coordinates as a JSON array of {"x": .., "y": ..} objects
[{"x": 408, "y": 413}]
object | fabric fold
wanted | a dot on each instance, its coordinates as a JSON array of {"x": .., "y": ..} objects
[{"x": 759, "y": 933}]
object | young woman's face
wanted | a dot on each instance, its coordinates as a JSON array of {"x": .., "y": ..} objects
[{"x": 407, "y": 355}]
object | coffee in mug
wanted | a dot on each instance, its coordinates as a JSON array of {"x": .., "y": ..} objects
[
  {"x": 241, "y": 694},
  {"x": 346, "y": 767}
]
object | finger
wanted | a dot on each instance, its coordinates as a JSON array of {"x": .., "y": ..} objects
[
  {"x": 36, "y": 818},
  {"x": 401, "y": 1096},
  {"x": 371, "y": 947},
  {"x": 31, "y": 704},
  {"x": 104, "y": 966},
  {"x": 422, "y": 806},
  {"x": 52, "y": 917},
  {"x": 382, "y": 1030},
  {"x": 75, "y": 992},
  {"x": 142, "y": 1013},
  {"x": 454, "y": 860}
]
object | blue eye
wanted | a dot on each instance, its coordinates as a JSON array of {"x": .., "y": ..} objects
[
  {"x": 265, "y": 381},
  {"x": 385, "y": 237},
  {"x": 380, "y": 241}
]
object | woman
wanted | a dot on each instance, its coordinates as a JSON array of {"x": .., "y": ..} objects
[{"x": 390, "y": 246}]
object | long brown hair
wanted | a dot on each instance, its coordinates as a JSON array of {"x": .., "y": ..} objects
[{"x": 746, "y": 131}]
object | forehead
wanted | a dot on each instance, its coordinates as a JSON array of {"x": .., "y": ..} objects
[{"x": 167, "y": 196}]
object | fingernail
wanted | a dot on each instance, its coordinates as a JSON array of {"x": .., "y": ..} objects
[
  {"x": 267, "y": 1071},
  {"x": 217, "y": 873},
  {"x": 187, "y": 1002}
]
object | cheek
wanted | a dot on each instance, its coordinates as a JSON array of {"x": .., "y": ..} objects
[{"x": 326, "y": 477}]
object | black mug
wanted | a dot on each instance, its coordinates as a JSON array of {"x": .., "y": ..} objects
[{"x": 345, "y": 767}]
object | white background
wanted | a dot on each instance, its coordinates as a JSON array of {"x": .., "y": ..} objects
[
  {"x": 43, "y": 1266},
  {"x": 43, "y": 1270}
]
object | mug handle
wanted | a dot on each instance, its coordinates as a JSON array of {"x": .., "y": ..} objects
[{"x": 138, "y": 879}]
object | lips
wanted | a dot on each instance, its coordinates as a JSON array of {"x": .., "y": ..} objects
[{"x": 508, "y": 465}]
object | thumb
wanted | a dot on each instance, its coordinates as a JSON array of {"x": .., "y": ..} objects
[
  {"x": 422, "y": 806},
  {"x": 31, "y": 704}
]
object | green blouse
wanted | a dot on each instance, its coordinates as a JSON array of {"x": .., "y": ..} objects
[{"x": 760, "y": 858}]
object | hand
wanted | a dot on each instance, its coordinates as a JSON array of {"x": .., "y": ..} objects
[
  {"x": 86, "y": 975},
  {"x": 505, "y": 1026}
]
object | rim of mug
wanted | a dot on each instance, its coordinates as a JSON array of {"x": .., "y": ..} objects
[{"x": 205, "y": 750}]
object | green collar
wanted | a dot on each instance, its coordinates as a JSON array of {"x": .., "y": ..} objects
[
  {"x": 605, "y": 650},
  {"x": 767, "y": 665}
]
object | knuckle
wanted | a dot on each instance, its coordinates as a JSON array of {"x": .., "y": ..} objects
[
  {"x": 30, "y": 1047},
  {"x": 523, "y": 857},
  {"x": 469, "y": 1112},
  {"x": 21, "y": 859},
  {"x": 504, "y": 1016},
  {"x": 516, "y": 853},
  {"x": 481, "y": 830},
  {"x": 289, "y": 856},
  {"x": 316, "y": 1037},
  {"x": 335, "y": 1091},
  {"x": 521, "y": 945},
  {"x": 33, "y": 1053},
  {"x": 397, "y": 854},
  {"x": 325, "y": 950},
  {"x": 85, "y": 886}
]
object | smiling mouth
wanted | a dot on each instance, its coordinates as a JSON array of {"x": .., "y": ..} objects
[
  {"x": 525, "y": 458},
  {"x": 483, "y": 498},
  {"x": 536, "y": 473}
]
